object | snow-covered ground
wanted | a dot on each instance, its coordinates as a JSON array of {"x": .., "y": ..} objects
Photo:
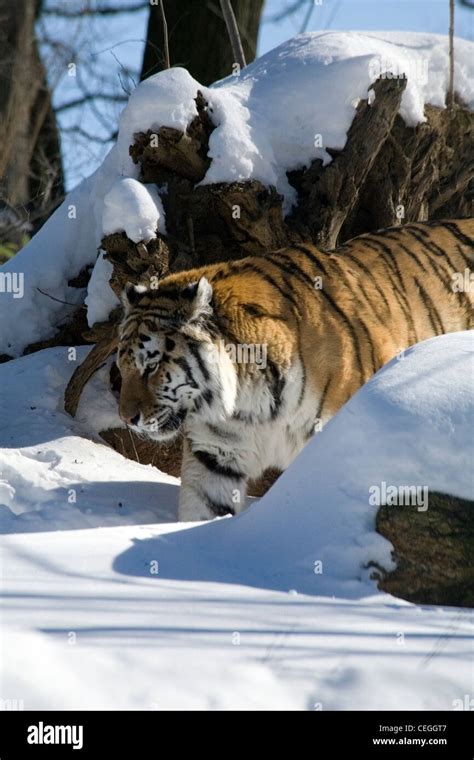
[
  {"x": 280, "y": 113},
  {"x": 109, "y": 603}
]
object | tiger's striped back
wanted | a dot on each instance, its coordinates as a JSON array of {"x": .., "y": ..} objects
[{"x": 347, "y": 312}]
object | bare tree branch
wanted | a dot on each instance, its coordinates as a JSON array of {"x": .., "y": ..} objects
[
  {"x": 293, "y": 8},
  {"x": 451, "y": 55},
  {"x": 307, "y": 18},
  {"x": 117, "y": 98},
  {"x": 166, "y": 48},
  {"x": 77, "y": 130},
  {"x": 101, "y": 10},
  {"x": 233, "y": 32}
]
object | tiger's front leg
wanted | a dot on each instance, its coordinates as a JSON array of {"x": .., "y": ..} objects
[{"x": 213, "y": 482}]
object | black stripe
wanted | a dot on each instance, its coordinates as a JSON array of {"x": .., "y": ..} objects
[
  {"x": 425, "y": 238},
  {"x": 342, "y": 273},
  {"x": 182, "y": 362},
  {"x": 422, "y": 235},
  {"x": 208, "y": 396},
  {"x": 396, "y": 239},
  {"x": 368, "y": 273},
  {"x": 456, "y": 232},
  {"x": 400, "y": 296},
  {"x": 468, "y": 261},
  {"x": 277, "y": 384},
  {"x": 322, "y": 400},
  {"x": 350, "y": 328},
  {"x": 211, "y": 463},
  {"x": 440, "y": 256},
  {"x": 151, "y": 325},
  {"x": 391, "y": 259},
  {"x": 256, "y": 311},
  {"x": 194, "y": 350},
  {"x": 253, "y": 267},
  {"x": 430, "y": 308},
  {"x": 292, "y": 268},
  {"x": 218, "y": 508},
  {"x": 226, "y": 435},
  {"x": 303, "y": 370},
  {"x": 313, "y": 258},
  {"x": 359, "y": 319},
  {"x": 147, "y": 371}
]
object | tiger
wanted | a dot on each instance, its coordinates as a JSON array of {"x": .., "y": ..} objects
[{"x": 312, "y": 327}]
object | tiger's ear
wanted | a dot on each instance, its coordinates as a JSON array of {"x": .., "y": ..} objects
[
  {"x": 131, "y": 295},
  {"x": 199, "y": 295}
]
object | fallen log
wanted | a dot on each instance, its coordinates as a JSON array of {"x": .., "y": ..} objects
[{"x": 433, "y": 551}]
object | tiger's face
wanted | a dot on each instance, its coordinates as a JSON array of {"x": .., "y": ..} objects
[{"x": 165, "y": 358}]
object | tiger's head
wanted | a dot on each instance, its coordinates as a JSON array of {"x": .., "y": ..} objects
[{"x": 168, "y": 361}]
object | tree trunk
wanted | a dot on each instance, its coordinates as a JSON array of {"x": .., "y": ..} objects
[
  {"x": 198, "y": 37},
  {"x": 30, "y": 162}
]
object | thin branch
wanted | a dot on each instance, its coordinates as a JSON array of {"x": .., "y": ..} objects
[
  {"x": 127, "y": 73},
  {"x": 233, "y": 32},
  {"x": 77, "y": 130},
  {"x": 277, "y": 17},
  {"x": 166, "y": 48},
  {"x": 133, "y": 445},
  {"x": 66, "y": 303},
  {"x": 307, "y": 18},
  {"x": 90, "y": 11},
  {"x": 87, "y": 98},
  {"x": 451, "y": 56}
]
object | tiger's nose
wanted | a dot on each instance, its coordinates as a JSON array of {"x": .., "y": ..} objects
[{"x": 132, "y": 420}]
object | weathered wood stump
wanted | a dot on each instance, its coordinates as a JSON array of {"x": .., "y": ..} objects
[{"x": 434, "y": 551}]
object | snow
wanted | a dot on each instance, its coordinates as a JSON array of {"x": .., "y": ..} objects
[
  {"x": 100, "y": 299},
  {"x": 158, "y": 101},
  {"x": 135, "y": 208},
  {"x": 269, "y": 119},
  {"x": 120, "y": 607},
  {"x": 109, "y": 603},
  {"x": 51, "y": 476}
]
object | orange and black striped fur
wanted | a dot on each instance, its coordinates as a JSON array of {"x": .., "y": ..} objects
[{"x": 246, "y": 357}]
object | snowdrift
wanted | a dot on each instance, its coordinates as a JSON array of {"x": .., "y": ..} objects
[
  {"x": 273, "y": 609},
  {"x": 411, "y": 424}
]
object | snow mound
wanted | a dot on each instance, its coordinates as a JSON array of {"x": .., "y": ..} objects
[
  {"x": 216, "y": 616},
  {"x": 280, "y": 113},
  {"x": 411, "y": 424},
  {"x": 54, "y": 472}
]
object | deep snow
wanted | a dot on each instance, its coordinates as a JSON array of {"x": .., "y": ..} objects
[
  {"x": 229, "y": 614},
  {"x": 108, "y": 602}
]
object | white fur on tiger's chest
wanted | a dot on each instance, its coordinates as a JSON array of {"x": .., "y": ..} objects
[{"x": 251, "y": 438}]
